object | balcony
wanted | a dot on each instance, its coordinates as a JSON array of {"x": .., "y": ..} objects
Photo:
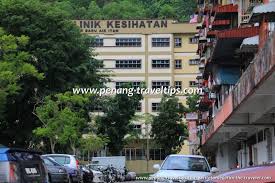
[
  {"x": 251, "y": 102},
  {"x": 262, "y": 64}
]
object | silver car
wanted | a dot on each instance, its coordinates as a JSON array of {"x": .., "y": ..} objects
[{"x": 181, "y": 168}]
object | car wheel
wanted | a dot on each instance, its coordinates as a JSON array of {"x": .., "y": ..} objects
[
  {"x": 70, "y": 180},
  {"x": 49, "y": 178}
]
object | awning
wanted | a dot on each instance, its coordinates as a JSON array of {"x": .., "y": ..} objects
[
  {"x": 229, "y": 8},
  {"x": 226, "y": 75},
  {"x": 250, "y": 44},
  {"x": 267, "y": 10},
  {"x": 228, "y": 42},
  {"x": 220, "y": 22},
  {"x": 239, "y": 32}
]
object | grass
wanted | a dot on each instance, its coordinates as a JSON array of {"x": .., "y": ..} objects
[{"x": 144, "y": 174}]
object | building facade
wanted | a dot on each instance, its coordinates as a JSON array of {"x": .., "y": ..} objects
[
  {"x": 155, "y": 52},
  {"x": 235, "y": 125}
]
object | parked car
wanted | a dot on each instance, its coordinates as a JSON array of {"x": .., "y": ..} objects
[
  {"x": 256, "y": 174},
  {"x": 19, "y": 165},
  {"x": 182, "y": 167},
  {"x": 70, "y": 162},
  {"x": 56, "y": 172}
]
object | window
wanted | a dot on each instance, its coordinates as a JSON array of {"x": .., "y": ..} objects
[
  {"x": 178, "y": 64},
  {"x": 160, "y": 42},
  {"x": 192, "y": 83},
  {"x": 63, "y": 160},
  {"x": 178, "y": 42},
  {"x": 193, "y": 40},
  {"x": 178, "y": 84},
  {"x": 160, "y": 63},
  {"x": 260, "y": 136},
  {"x": 155, "y": 107},
  {"x": 128, "y": 64},
  {"x": 97, "y": 108},
  {"x": 98, "y": 42},
  {"x": 159, "y": 84},
  {"x": 134, "y": 84},
  {"x": 194, "y": 61},
  {"x": 134, "y": 154},
  {"x": 157, "y": 154},
  {"x": 139, "y": 107},
  {"x": 128, "y": 42},
  {"x": 137, "y": 128}
]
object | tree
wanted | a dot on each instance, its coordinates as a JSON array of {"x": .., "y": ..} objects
[
  {"x": 192, "y": 103},
  {"x": 92, "y": 143},
  {"x": 167, "y": 11},
  {"x": 125, "y": 9},
  {"x": 62, "y": 120},
  {"x": 94, "y": 11},
  {"x": 115, "y": 123},
  {"x": 14, "y": 68},
  {"x": 167, "y": 126},
  {"x": 58, "y": 50}
]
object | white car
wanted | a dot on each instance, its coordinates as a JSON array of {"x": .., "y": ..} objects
[{"x": 180, "y": 168}]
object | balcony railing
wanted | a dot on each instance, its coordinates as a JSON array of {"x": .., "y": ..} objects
[{"x": 261, "y": 65}]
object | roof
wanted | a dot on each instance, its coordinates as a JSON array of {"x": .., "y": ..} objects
[
  {"x": 191, "y": 156},
  {"x": 239, "y": 32},
  {"x": 251, "y": 40},
  {"x": 6, "y": 149},
  {"x": 45, "y": 155},
  {"x": 228, "y": 8},
  {"x": 267, "y": 9}
]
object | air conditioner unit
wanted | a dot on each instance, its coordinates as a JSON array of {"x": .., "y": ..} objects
[{"x": 212, "y": 95}]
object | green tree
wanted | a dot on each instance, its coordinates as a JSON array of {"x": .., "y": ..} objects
[
  {"x": 167, "y": 126},
  {"x": 167, "y": 11},
  {"x": 62, "y": 119},
  {"x": 116, "y": 121},
  {"x": 58, "y": 50},
  {"x": 94, "y": 11},
  {"x": 192, "y": 103},
  {"x": 125, "y": 9},
  {"x": 91, "y": 143},
  {"x": 14, "y": 67}
]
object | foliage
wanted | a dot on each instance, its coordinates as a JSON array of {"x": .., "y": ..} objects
[
  {"x": 57, "y": 49},
  {"x": 92, "y": 143},
  {"x": 14, "y": 67},
  {"x": 127, "y": 9},
  {"x": 61, "y": 119},
  {"x": 192, "y": 103},
  {"x": 167, "y": 126},
  {"x": 115, "y": 123}
]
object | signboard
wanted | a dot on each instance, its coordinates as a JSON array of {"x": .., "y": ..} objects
[{"x": 134, "y": 26}]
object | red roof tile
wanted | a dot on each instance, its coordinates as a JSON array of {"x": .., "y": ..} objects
[{"x": 229, "y": 8}]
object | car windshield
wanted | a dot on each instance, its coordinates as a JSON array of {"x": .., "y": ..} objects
[
  {"x": 63, "y": 160},
  {"x": 185, "y": 163},
  {"x": 50, "y": 162}
]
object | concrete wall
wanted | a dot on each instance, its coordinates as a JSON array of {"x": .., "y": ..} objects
[
  {"x": 140, "y": 166},
  {"x": 226, "y": 157}
]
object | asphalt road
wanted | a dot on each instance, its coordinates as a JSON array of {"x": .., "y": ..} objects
[{"x": 138, "y": 181}]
